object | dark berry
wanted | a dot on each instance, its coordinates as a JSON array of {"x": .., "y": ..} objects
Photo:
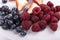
[
  {"x": 42, "y": 24},
  {"x": 54, "y": 19},
  {"x": 5, "y": 8},
  {"x": 26, "y": 9},
  {"x": 34, "y": 18},
  {"x": 19, "y": 29},
  {"x": 23, "y": 33},
  {"x": 53, "y": 26},
  {"x": 1, "y": 22},
  {"x": 10, "y": 22},
  {"x": 13, "y": 26},
  {"x": 6, "y": 26},
  {"x": 25, "y": 26},
  {"x": 36, "y": 10},
  {"x": 36, "y": 27},
  {"x": 15, "y": 9},
  {"x": 50, "y": 4},
  {"x": 25, "y": 16},
  {"x": 4, "y": 1}
]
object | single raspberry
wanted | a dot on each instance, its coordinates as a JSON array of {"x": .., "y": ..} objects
[
  {"x": 50, "y": 4},
  {"x": 57, "y": 14},
  {"x": 25, "y": 16},
  {"x": 54, "y": 19},
  {"x": 26, "y": 24},
  {"x": 42, "y": 24},
  {"x": 51, "y": 13},
  {"x": 47, "y": 17},
  {"x": 36, "y": 27},
  {"x": 53, "y": 26},
  {"x": 40, "y": 15},
  {"x": 45, "y": 8},
  {"x": 58, "y": 8},
  {"x": 34, "y": 18},
  {"x": 53, "y": 9},
  {"x": 36, "y": 10}
]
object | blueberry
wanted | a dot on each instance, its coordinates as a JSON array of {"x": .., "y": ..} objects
[
  {"x": 13, "y": 26},
  {"x": 5, "y": 8},
  {"x": 26, "y": 9},
  {"x": 2, "y": 13},
  {"x": 15, "y": 17},
  {"x": 15, "y": 9},
  {"x": 10, "y": 22},
  {"x": 19, "y": 29},
  {"x": 6, "y": 26},
  {"x": 1, "y": 22},
  {"x": 0, "y": 9},
  {"x": 4, "y": 1},
  {"x": 23, "y": 33}
]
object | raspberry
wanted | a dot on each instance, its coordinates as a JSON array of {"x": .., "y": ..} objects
[
  {"x": 47, "y": 17},
  {"x": 35, "y": 18},
  {"x": 53, "y": 9},
  {"x": 53, "y": 26},
  {"x": 57, "y": 14},
  {"x": 50, "y": 4},
  {"x": 42, "y": 24},
  {"x": 36, "y": 10},
  {"x": 45, "y": 8},
  {"x": 36, "y": 27},
  {"x": 58, "y": 8},
  {"x": 40, "y": 15},
  {"x": 51, "y": 13},
  {"x": 25, "y": 16},
  {"x": 26, "y": 24},
  {"x": 54, "y": 19}
]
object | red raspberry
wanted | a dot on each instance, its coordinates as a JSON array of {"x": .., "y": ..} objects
[
  {"x": 42, "y": 24},
  {"x": 50, "y": 4},
  {"x": 51, "y": 13},
  {"x": 57, "y": 14},
  {"x": 40, "y": 15},
  {"x": 36, "y": 27},
  {"x": 54, "y": 19},
  {"x": 34, "y": 18},
  {"x": 47, "y": 17},
  {"x": 53, "y": 9},
  {"x": 58, "y": 8},
  {"x": 26, "y": 24},
  {"x": 36, "y": 10},
  {"x": 45, "y": 8},
  {"x": 25, "y": 16},
  {"x": 53, "y": 26}
]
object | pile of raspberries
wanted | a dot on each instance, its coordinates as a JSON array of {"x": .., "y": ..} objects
[{"x": 45, "y": 14}]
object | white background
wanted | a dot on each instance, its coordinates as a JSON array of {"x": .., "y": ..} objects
[{"x": 46, "y": 34}]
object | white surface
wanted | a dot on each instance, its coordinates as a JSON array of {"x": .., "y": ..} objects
[{"x": 46, "y": 34}]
